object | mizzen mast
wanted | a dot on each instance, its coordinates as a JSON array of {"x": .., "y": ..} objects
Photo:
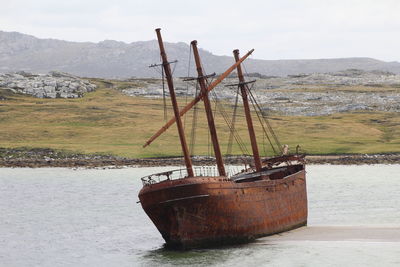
[
  {"x": 168, "y": 75},
  {"x": 242, "y": 86},
  {"x": 210, "y": 118}
]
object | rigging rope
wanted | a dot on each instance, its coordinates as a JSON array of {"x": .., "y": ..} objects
[
  {"x": 265, "y": 152},
  {"x": 262, "y": 125},
  {"x": 230, "y": 140},
  {"x": 266, "y": 121},
  {"x": 187, "y": 84},
  {"x": 173, "y": 70},
  {"x": 224, "y": 114},
  {"x": 214, "y": 114},
  {"x": 210, "y": 151},
  {"x": 237, "y": 137},
  {"x": 194, "y": 125},
  {"x": 164, "y": 96}
]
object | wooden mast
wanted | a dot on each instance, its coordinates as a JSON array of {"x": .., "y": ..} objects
[
  {"x": 196, "y": 100},
  {"x": 207, "y": 106},
  {"x": 168, "y": 75},
  {"x": 253, "y": 140}
]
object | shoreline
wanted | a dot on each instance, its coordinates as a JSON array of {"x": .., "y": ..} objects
[{"x": 41, "y": 158}]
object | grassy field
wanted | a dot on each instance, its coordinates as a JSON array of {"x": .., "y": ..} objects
[{"x": 106, "y": 121}]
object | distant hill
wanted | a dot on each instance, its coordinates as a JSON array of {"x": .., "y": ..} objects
[{"x": 111, "y": 59}]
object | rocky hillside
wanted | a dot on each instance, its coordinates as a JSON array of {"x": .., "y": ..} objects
[
  {"x": 306, "y": 95},
  {"x": 112, "y": 59}
]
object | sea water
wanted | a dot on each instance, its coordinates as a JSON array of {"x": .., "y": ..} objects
[{"x": 90, "y": 217}]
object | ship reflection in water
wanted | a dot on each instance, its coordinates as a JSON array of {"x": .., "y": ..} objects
[{"x": 88, "y": 217}]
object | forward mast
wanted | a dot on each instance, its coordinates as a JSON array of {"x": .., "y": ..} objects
[{"x": 168, "y": 76}]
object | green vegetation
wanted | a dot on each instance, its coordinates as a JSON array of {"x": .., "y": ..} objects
[{"x": 106, "y": 121}]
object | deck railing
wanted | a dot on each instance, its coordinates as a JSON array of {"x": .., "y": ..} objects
[{"x": 182, "y": 173}]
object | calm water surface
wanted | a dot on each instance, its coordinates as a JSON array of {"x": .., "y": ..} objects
[{"x": 89, "y": 217}]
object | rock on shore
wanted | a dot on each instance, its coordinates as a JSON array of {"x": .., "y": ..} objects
[{"x": 51, "y": 85}]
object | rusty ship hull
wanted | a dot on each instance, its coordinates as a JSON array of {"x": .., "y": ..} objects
[{"x": 203, "y": 211}]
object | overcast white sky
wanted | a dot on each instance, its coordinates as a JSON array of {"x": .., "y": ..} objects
[{"x": 281, "y": 29}]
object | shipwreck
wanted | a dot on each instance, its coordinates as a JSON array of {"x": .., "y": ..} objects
[{"x": 202, "y": 206}]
